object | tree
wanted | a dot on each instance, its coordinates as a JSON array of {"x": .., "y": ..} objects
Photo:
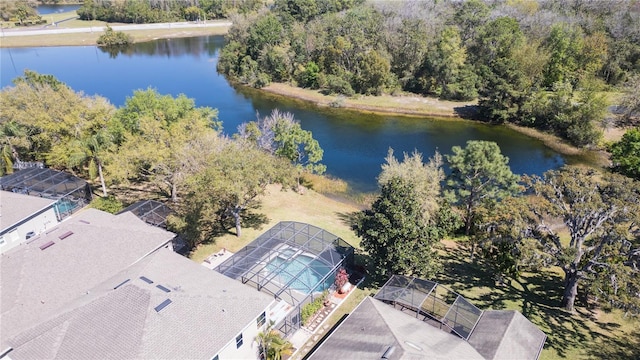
[
  {"x": 237, "y": 175},
  {"x": 47, "y": 121},
  {"x": 13, "y": 137},
  {"x": 395, "y": 235},
  {"x": 470, "y": 16},
  {"x": 504, "y": 232},
  {"x": 281, "y": 134},
  {"x": 503, "y": 88},
  {"x": 158, "y": 130},
  {"x": 625, "y": 154},
  {"x": 479, "y": 174},
  {"x": 112, "y": 38},
  {"x": 630, "y": 102},
  {"x": 425, "y": 177},
  {"x": 90, "y": 150},
  {"x": 600, "y": 212},
  {"x": 445, "y": 70},
  {"x": 271, "y": 344},
  {"x": 565, "y": 45}
]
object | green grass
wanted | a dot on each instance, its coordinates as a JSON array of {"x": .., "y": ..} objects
[
  {"x": 590, "y": 333},
  {"x": 311, "y": 207}
]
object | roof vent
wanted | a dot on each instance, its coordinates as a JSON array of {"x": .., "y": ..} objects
[
  {"x": 65, "y": 235},
  {"x": 122, "y": 283},
  {"x": 162, "y": 305},
  {"x": 84, "y": 221},
  {"x": 46, "y": 245},
  {"x": 163, "y": 288},
  {"x": 146, "y": 279},
  {"x": 413, "y": 345},
  {"x": 388, "y": 352}
]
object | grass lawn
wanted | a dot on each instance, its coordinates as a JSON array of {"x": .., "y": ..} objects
[
  {"x": 310, "y": 207},
  {"x": 590, "y": 333}
]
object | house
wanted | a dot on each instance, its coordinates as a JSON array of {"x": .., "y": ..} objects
[
  {"x": 56, "y": 267},
  {"x": 412, "y": 318},
  {"x": 163, "y": 307},
  {"x": 110, "y": 286},
  {"x": 71, "y": 193},
  {"x": 22, "y": 217}
]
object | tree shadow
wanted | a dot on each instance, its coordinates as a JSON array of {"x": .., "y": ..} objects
[
  {"x": 348, "y": 218},
  {"x": 469, "y": 112},
  {"x": 254, "y": 220},
  {"x": 537, "y": 295},
  {"x": 626, "y": 348}
]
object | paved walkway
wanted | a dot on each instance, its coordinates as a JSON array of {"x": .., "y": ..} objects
[{"x": 53, "y": 30}]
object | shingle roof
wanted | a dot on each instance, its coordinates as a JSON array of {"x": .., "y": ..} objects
[
  {"x": 91, "y": 247},
  {"x": 507, "y": 334},
  {"x": 17, "y": 207},
  {"x": 373, "y": 327},
  {"x": 207, "y": 310}
]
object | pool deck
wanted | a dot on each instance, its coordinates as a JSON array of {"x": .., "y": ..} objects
[{"x": 216, "y": 258}]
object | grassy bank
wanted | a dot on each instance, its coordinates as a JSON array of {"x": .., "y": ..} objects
[
  {"x": 590, "y": 333},
  {"x": 409, "y": 104},
  {"x": 413, "y": 105}
]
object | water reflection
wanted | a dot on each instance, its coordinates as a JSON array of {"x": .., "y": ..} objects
[
  {"x": 193, "y": 47},
  {"x": 354, "y": 143}
]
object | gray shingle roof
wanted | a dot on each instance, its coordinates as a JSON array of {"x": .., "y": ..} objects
[
  {"x": 207, "y": 310},
  {"x": 35, "y": 284},
  {"x": 375, "y": 326},
  {"x": 17, "y": 207},
  {"x": 507, "y": 334}
]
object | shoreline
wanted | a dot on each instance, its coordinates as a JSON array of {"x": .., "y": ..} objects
[
  {"x": 426, "y": 109},
  {"x": 405, "y": 104}
]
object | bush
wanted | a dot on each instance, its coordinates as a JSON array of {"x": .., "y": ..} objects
[
  {"x": 337, "y": 85},
  {"x": 109, "y": 204},
  {"x": 112, "y": 38},
  {"x": 307, "y": 311}
]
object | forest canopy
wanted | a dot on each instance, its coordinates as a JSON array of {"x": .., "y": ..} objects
[{"x": 542, "y": 64}]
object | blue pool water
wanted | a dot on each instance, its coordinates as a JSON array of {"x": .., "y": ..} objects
[{"x": 306, "y": 270}]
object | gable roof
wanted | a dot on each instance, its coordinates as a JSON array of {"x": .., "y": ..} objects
[
  {"x": 375, "y": 327},
  {"x": 122, "y": 318},
  {"x": 41, "y": 275},
  {"x": 15, "y": 208},
  {"x": 507, "y": 334}
]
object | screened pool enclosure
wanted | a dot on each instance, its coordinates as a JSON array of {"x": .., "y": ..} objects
[
  {"x": 70, "y": 192},
  {"x": 150, "y": 211},
  {"x": 294, "y": 262},
  {"x": 432, "y": 303}
]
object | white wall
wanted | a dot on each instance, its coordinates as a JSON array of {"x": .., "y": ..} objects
[
  {"x": 249, "y": 348},
  {"x": 37, "y": 224}
]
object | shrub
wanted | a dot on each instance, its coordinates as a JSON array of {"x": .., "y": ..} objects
[
  {"x": 337, "y": 85},
  {"x": 307, "y": 311},
  {"x": 114, "y": 38},
  {"x": 109, "y": 204},
  {"x": 341, "y": 278}
]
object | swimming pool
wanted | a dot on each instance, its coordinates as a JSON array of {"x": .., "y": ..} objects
[{"x": 305, "y": 271}]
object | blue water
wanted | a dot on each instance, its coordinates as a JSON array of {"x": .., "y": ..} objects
[
  {"x": 52, "y": 9},
  {"x": 354, "y": 144},
  {"x": 306, "y": 270}
]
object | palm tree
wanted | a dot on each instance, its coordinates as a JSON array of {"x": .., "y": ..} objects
[
  {"x": 12, "y": 136},
  {"x": 272, "y": 345},
  {"x": 90, "y": 151}
]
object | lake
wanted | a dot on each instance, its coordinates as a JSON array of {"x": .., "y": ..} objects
[
  {"x": 354, "y": 144},
  {"x": 52, "y": 9}
]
